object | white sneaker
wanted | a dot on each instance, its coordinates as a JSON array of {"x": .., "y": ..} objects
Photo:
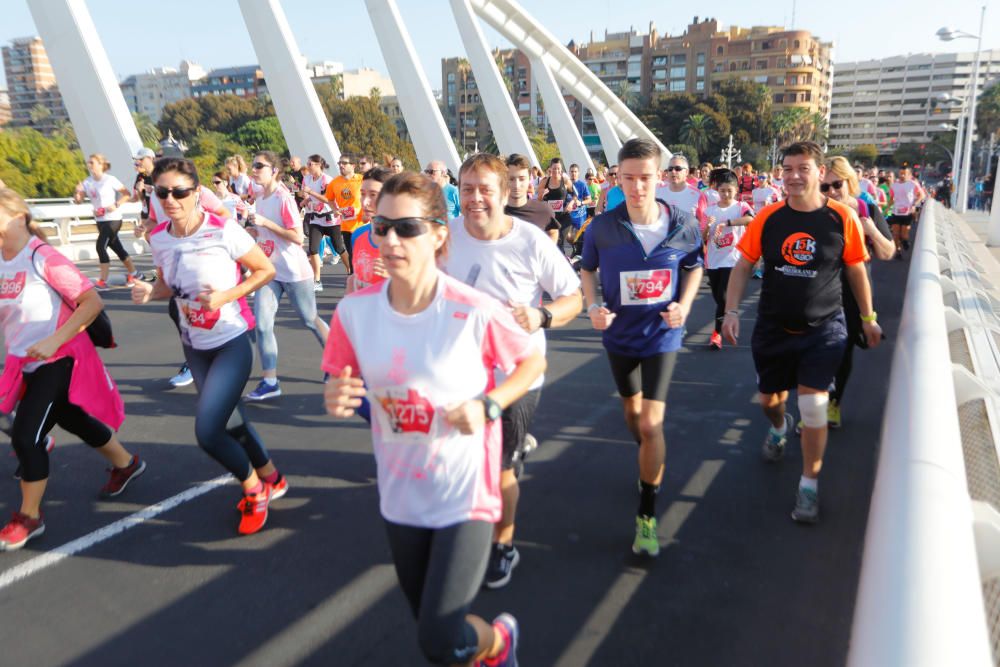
[
  {"x": 335, "y": 260},
  {"x": 318, "y": 286},
  {"x": 183, "y": 377}
]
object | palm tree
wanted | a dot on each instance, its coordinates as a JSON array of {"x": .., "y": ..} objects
[
  {"x": 625, "y": 93},
  {"x": 149, "y": 134},
  {"x": 821, "y": 129},
  {"x": 696, "y": 131}
]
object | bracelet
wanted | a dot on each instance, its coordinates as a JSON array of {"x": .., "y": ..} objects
[
  {"x": 590, "y": 309},
  {"x": 736, "y": 313},
  {"x": 870, "y": 318}
]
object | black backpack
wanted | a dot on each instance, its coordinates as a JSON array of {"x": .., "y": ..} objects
[{"x": 100, "y": 329}]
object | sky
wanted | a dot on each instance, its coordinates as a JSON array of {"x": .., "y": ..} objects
[{"x": 141, "y": 36}]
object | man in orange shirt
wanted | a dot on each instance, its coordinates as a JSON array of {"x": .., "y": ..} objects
[
  {"x": 807, "y": 242},
  {"x": 344, "y": 193}
]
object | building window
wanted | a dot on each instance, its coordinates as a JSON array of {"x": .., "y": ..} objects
[
  {"x": 679, "y": 58},
  {"x": 700, "y": 85},
  {"x": 659, "y": 61},
  {"x": 677, "y": 86},
  {"x": 779, "y": 98},
  {"x": 761, "y": 78},
  {"x": 795, "y": 44},
  {"x": 678, "y": 72},
  {"x": 700, "y": 70},
  {"x": 719, "y": 51},
  {"x": 761, "y": 64},
  {"x": 700, "y": 58},
  {"x": 660, "y": 74},
  {"x": 732, "y": 67}
]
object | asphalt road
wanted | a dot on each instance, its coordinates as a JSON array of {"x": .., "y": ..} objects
[{"x": 738, "y": 583}]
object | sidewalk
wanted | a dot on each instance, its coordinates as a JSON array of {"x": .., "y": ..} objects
[{"x": 974, "y": 226}]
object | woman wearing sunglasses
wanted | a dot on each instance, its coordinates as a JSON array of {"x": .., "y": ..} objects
[
  {"x": 197, "y": 256},
  {"x": 278, "y": 230},
  {"x": 427, "y": 346},
  {"x": 841, "y": 184}
]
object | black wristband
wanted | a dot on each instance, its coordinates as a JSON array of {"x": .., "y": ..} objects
[{"x": 546, "y": 317}]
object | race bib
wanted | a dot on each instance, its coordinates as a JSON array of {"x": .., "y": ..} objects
[
  {"x": 406, "y": 412},
  {"x": 267, "y": 247},
  {"x": 347, "y": 213},
  {"x": 724, "y": 240},
  {"x": 639, "y": 288},
  {"x": 198, "y": 317},
  {"x": 11, "y": 288},
  {"x": 902, "y": 210},
  {"x": 556, "y": 205}
]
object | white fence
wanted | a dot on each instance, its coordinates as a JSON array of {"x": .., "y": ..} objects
[{"x": 72, "y": 228}]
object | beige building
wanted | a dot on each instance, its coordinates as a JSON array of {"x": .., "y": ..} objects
[
  {"x": 359, "y": 83},
  {"x": 31, "y": 85}
]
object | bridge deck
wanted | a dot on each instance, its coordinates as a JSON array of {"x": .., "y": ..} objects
[{"x": 738, "y": 583}]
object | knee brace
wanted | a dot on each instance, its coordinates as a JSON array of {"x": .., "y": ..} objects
[{"x": 812, "y": 409}]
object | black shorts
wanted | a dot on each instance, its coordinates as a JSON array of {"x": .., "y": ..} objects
[
  {"x": 901, "y": 220},
  {"x": 516, "y": 419},
  {"x": 785, "y": 360},
  {"x": 649, "y": 375},
  {"x": 317, "y": 232}
]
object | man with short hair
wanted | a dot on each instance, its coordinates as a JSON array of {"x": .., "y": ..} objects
[
  {"x": 344, "y": 194},
  {"x": 904, "y": 197},
  {"x": 438, "y": 172},
  {"x": 807, "y": 242},
  {"x": 578, "y": 214},
  {"x": 520, "y": 205},
  {"x": 365, "y": 163},
  {"x": 677, "y": 192},
  {"x": 612, "y": 195},
  {"x": 650, "y": 258}
]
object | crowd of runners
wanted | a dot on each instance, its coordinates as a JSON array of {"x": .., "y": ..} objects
[{"x": 439, "y": 342}]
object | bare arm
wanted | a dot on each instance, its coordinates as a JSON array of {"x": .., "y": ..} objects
[
  {"x": 293, "y": 235},
  {"x": 882, "y": 247},
  {"x": 857, "y": 278},
  {"x": 738, "y": 279}
]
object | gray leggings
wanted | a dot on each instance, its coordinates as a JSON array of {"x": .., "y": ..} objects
[{"x": 440, "y": 571}]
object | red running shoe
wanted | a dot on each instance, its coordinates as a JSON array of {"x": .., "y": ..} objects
[
  {"x": 716, "y": 341},
  {"x": 279, "y": 488},
  {"x": 253, "y": 509},
  {"x": 21, "y": 528},
  {"x": 120, "y": 477}
]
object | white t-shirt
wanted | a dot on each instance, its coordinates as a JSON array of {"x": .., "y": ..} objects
[
  {"x": 33, "y": 308},
  {"x": 764, "y": 196},
  {"x": 653, "y": 234},
  {"x": 429, "y": 474},
  {"x": 519, "y": 267},
  {"x": 102, "y": 194},
  {"x": 711, "y": 196},
  {"x": 904, "y": 196},
  {"x": 312, "y": 205},
  {"x": 691, "y": 200},
  {"x": 241, "y": 184},
  {"x": 721, "y": 250},
  {"x": 290, "y": 261},
  {"x": 206, "y": 257}
]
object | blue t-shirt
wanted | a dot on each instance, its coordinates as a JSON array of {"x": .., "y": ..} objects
[
  {"x": 451, "y": 201},
  {"x": 637, "y": 287},
  {"x": 615, "y": 197},
  {"x": 579, "y": 214}
]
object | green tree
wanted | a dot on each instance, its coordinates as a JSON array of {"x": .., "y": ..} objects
[
  {"x": 688, "y": 151},
  {"x": 209, "y": 150},
  {"x": 261, "y": 135},
  {"x": 865, "y": 154},
  {"x": 361, "y": 127},
  {"x": 988, "y": 112},
  {"x": 149, "y": 134},
  {"x": 748, "y": 107},
  {"x": 697, "y": 130},
  {"x": 212, "y": 113},
  {"x": 38, "y": 166}
]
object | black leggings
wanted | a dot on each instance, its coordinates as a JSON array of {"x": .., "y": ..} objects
[
  {"x": 718, "y": 280},
  {"x": 349, "y": 244},
  {"x": 220, "y": 425},
  {"x": 46, "y": 403},
  {"x": 440, "y": 571},
  {"x": 107, "y": 237},
  {"x": 316, "y": 234}
]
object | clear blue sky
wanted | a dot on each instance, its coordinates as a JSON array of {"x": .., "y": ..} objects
[{"x": 139, "y": 36}]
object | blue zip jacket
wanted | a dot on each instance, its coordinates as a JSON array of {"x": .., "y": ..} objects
[{"x": 638, "y": 287}]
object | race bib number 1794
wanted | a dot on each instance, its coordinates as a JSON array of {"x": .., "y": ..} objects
[{"x": 639, "y": 288}]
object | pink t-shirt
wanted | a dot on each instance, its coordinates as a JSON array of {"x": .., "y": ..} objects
[
  {"x": 206, "y": 257},
  {"x": 313, "y": 205},
  {"x": 904, "y": 196},
  {"x": 429, "y": 474},
  {"x": 721, "y": 252},
  {"x": 32, "y": 308},
  {"x": 691, "y": 200},
  {"x": 290, "y": 261}
]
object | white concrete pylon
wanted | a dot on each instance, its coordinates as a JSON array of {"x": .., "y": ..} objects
[
  {"x": 610, "y": 141},
  {"x": 504, "y": 121},
  {"x": 423, "y": 118},
  {"x": 302, "y": 119},
  {"x": 571, "y": 146},
  {"x": 87, "y": 83}
]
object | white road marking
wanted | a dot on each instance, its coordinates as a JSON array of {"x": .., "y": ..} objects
[{"x": 50, "y": 558}]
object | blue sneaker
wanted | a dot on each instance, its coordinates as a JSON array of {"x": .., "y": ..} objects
[
  {"x": 774, "y": 444},
  {"x": 264, "y": 391},
  {"x": 506, "y": 625}
]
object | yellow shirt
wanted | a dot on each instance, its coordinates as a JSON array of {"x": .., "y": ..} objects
[{"x": 346, "y": 192}]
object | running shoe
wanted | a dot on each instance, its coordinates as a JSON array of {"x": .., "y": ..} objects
[
  {"x": 646, "y": 541},
  {"x": 506, "y": 625},
  {"x": 806, "y": 506},
  {"x": 774, "y": 444},
  {"x": 101, "y": 286},
  {"x": 21, "y": 528},
  {"x": 503, "y": 559},
  {"x": 50, "y": 444},
  {"x": 318, "y": 286},
  {"x": 183, "y": 377},
  {"x": 253, "y": 509},
  {"x": 833, "y": 414},
  {"x": 716, "y": 341},
  {"x": 530, "y": 444},
  {"x": 279, "y": 488},
  {"x": 758, "y": 274},
  {"x": 120, "y": 477},
  {"x": 264, "y": 391}
]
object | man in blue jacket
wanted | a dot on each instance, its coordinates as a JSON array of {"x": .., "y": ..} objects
[{"x": 649, "y": 254}]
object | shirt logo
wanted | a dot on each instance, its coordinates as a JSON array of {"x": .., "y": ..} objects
[
  {"x": 267, "y": 247},
  {"x": 799, "y": 249},
  {"x": 410, "y": 414},
  {"x": 11, "y": 288},
  {"x": 646, "y": 287},
  {"x": 346, "y": 194}
]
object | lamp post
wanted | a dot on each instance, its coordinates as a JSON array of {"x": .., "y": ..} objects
[{"x": 948, "y": 34}]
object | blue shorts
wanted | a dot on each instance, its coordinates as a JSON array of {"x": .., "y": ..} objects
[{"x": 785, "y": 360}]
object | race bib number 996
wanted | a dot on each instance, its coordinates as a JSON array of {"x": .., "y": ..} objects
[{"x": 639, "y": 288}]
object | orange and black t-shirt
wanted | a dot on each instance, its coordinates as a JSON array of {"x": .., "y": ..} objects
[
  {"x": 347, "y": 193},
  {"x": 804, "y": 255}
]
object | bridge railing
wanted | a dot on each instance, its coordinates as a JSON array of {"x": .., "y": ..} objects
[
  {"x": 920, "y": 600},
  {"x": 66, "y": 222}
]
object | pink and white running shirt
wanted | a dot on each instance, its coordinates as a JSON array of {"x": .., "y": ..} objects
[
  {"x": 312, "y": 205},
  {"x": 764, "y": 196},
  {"x": 904, "y": 196},
  {"x": 289, "y": 259},
  {"x": 689, "y": 199},
  {"x": 102, "y": 194},
  {"x": 33, "y": 308},
  {"x": 720, "y": 251},
  {"x": 429, "y": 474},
  {"x": 206, "y": 257}
]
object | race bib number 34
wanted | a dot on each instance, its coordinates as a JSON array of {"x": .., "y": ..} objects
[{"x": 639, "y": 288}]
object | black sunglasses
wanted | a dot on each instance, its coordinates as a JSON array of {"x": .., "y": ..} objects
[
  {"x": 217, "y": 182},
  {"x": 406, "y": 228},
  {"x": 344, "y": 162},
  {"x": 178, "y": 193},
  {"x": 825, "y": 187},
  {"x": 260, "y": 165},
  {"x": 612, "y": 173},
  {"x": 676, "y": 167}
]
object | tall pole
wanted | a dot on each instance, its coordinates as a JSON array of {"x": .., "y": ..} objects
[
  {"x": 957, "y": 167},
  {"x": 963, "y": 191}
]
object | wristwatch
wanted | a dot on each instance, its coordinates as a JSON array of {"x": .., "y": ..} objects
[
  {"x": 546, "y": 318},
  {"x": 492, "y": 408}
]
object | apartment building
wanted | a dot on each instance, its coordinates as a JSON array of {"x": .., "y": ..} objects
[{"x": 31, "y": 86}]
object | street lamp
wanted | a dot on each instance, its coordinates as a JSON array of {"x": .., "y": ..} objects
[{"x": 947, "y": 35}]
